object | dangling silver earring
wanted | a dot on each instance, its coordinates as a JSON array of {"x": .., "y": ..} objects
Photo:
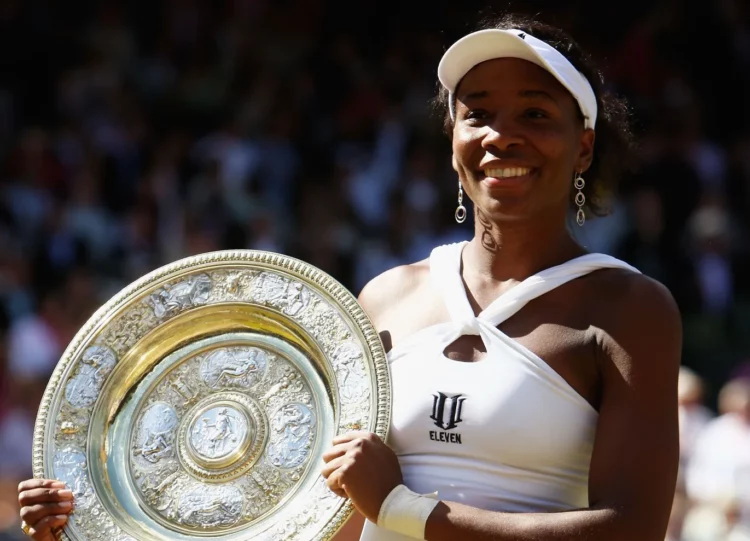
[
  {"x": 578, "y": 184},
  {"x": 461, "y": 210}
]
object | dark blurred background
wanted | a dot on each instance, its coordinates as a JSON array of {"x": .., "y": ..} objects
[{"x": 136, "y": 133}]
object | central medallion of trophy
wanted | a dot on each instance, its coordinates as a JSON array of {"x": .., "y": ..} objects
[
  {"x": 222, "y": 436},
  {"x": 217, "y": 433}
]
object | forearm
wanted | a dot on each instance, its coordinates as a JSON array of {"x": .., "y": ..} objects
[{"x": 450, "y": 521}]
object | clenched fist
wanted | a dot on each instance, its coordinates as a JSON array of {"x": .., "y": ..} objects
[{"x": 362, "y": 468}]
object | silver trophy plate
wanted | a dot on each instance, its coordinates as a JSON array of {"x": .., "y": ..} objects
[{"x": 199, "y": 400}]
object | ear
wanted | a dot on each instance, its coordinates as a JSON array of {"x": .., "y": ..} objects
[
  {"x": 586, "y": 150},
  {"x": 454, "y": 163}
]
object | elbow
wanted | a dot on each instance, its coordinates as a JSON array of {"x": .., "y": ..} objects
[{"x": 637, "y": 524}]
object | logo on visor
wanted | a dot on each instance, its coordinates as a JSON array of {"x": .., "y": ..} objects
[{"x": 522, "y": 35}]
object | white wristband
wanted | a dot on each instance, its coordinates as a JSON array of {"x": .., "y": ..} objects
[{"x": 406, "y": 512}]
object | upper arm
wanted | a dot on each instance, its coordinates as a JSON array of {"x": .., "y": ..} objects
[
  {"x": 634, "y": 463},
  {"x": 384, "y": 292}
]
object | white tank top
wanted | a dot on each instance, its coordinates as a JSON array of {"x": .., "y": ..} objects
[{"x": 506, "y": 433}]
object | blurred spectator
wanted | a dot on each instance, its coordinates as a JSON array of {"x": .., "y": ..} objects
[
  {"x": 36, "y": 341},
  {"x": 693, "y": 414},
  {"x": 718, "y": 477}
]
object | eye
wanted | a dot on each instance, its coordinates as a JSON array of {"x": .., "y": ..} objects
[
  {"x": 535, "y": 114},
  {"x": 475, "y": 114}
]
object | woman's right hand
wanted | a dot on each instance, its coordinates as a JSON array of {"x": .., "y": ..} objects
[{"x": 45, "y": 506}]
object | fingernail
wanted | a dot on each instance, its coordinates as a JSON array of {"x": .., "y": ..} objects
[
  {"x": 67, "y": 493},
  {"x": 66, "y": 505},
  {"x": 61, "y": 517}
]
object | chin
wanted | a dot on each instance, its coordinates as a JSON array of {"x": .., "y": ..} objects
[{"x": 505, "y": 209}]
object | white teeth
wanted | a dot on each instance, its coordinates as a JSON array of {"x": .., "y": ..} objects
[{"x": 507, "y": 172}]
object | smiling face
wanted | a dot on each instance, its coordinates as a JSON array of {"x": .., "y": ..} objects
[{"x": 518, "y": 139}]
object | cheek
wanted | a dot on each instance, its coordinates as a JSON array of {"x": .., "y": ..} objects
[
  {"x": 466, "y": 145},
  {"x": 549, "y": 141},
  {"x": 554, "y": 144}
]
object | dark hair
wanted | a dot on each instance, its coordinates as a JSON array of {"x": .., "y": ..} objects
[{"x": 614, "y": 136}]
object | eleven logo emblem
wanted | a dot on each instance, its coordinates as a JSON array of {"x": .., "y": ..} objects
[{"x": 446, "y": 410}]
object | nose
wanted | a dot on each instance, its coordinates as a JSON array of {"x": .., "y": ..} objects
[{"x": 501, "y": 135}]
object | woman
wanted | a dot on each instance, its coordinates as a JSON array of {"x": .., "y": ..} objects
[{"x": 489, "y": 441}]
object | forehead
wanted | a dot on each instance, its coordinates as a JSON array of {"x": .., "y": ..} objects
[{"x": 510, "y": 75}]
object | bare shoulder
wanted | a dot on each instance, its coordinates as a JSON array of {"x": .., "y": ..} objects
[
  {"x": 393, "y": 288},
  {"x": 638, "y": 317},
  {"x": 629, "y": 296}
]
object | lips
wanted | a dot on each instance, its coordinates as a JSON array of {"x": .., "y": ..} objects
[
  {"x": 506, "y": 176},
  {"x": 506, "y": 172}
]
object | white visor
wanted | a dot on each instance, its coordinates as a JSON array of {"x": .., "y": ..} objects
[{"x": 490, "y": 44}]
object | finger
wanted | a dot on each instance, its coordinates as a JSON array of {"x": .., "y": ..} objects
[
  {"x": 44, "y": 495},
  {"x": 335, "y": 485},
  {"x": 349, "y": 436},
  {"x": 333, "y": 465},
  {"x": 340, "y": 493},
  {"x": 31, "y": 484},
  {"x": 32, "y": 514},
  {"x": 336, "y": 451},
  {"x": 44, "y": 528}
]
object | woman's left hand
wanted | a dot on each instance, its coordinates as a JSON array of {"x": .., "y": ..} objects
[{"x": 362, "y": 468}]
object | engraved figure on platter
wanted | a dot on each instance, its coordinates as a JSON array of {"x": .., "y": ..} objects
[
  {"x": 160, "y": 492},
  {"x": 170, "y": 300},
  {"x": 242, "y": 366},
  {"x": 100, "y": 358},
  {"x": 349, "y": 372},
  {"x": 155, "y": 436},
  {"x": 183, "y": 388},
  {"x": 293, "y": 432},
  {"x": 211, "y": 507},
  {"x": 69, "y": 465},
  {"x": 292, "y": 297},
  {"x": 296, "y": 299},
  {"x": 96, "y": 363},
  {"x": 217, "y": 438}
]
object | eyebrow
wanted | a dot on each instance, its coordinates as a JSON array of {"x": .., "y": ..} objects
[
  {"x": 529, "y": 94},
  {"x": 537, "y": 94}
]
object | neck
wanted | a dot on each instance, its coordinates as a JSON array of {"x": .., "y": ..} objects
[{"x": 515, "y": 251}]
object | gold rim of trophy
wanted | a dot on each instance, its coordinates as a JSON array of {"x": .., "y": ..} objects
[{"x": 125, "y": 360}]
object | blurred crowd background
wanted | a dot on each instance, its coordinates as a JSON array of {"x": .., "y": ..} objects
[{"x": 136, "y": 133}]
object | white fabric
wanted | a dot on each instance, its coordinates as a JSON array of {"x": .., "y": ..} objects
[
  {"x": 525, "y": 434},
  {"x": 485, "y": 45},
  {"x": 405, "y": 512}
]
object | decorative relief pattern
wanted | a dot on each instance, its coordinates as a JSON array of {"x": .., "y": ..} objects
[
  {"x": 292, "y": 432},
  {"x": 290, "y": 296},
  {"x": 218, "y": 432},
  {"x": 210, "y": 507},
  {"x": 283, "y": 398},
  {"x": 126, "y": 330},
  {"x": 242, "y": 415},
  {"x": 83, "y": 388},
  {"x": 155, "y": 434},
  {"x": 69, "y": 466},
  {"x": 234, "y": 367},
  {"x": 171, "y": 300}
]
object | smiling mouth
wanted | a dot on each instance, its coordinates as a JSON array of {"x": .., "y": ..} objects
[
  {"x": 507, "y": 172},
  {"x": 506, "y": 176}
]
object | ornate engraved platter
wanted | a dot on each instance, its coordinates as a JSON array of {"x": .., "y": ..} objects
[{"x": 198, "y": 402}]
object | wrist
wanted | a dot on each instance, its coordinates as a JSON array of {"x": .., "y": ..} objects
[{"x": 406, "y": 512}]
